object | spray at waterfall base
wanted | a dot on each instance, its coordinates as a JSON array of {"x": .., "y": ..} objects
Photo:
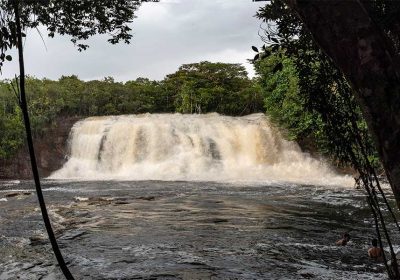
[{"x": 176, "y": 147}]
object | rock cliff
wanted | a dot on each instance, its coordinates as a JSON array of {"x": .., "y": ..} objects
[{"x": 51, "y": 150}]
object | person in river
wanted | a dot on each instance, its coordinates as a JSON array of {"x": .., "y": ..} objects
[
  {"x": 344, "y": 240},
  {"x": 374, "y": 252}
]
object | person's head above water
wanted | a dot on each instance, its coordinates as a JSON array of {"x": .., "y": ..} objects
[
  {"x": 344, "y": 240},
  {"x": 374, "y": 242}
]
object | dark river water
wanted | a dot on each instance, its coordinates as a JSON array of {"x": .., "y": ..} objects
[{"x": 187, "y": 230}]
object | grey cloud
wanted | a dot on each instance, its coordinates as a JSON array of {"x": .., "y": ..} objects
[{"x": 166, "y": 35}]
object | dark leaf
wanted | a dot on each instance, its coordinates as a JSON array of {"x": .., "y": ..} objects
[
  {"x": 275, "y": 40},
  {"x": 254, "y": 48},
  {"x": 256, "y": 57},
  {"x": 9, "y": 57},
  {"x": 277, "y": 68},
  {"x": 275, "y": 47}
]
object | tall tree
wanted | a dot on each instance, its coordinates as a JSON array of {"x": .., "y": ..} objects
[
  {"x": 79, "y": 19},
  {"x": 360, "y": 48},
  {"x": 368, "y": 55}
]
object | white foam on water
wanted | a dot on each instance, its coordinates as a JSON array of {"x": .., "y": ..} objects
[
  {"x": 9, "y": 183},
  {"x": 176, "y": 147},
  {"x": 17, "y": 190}
]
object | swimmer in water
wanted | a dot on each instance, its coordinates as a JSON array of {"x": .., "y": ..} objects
[
  {"x": 374, "y": 252},
  {"x": 344, "y": 240}
]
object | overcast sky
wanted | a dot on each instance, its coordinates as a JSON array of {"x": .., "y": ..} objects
[{"x": 165, "y": 35}]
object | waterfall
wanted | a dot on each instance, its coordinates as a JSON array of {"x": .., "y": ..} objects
[{"x": 207, "y": 147}]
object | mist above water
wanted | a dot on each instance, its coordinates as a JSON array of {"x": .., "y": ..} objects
[{"x": 176, "y": 147}]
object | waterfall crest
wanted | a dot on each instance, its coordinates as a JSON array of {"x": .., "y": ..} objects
[{"x": 207, "y": 147}]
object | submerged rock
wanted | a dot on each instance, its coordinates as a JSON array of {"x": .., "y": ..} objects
[
  {"x": 38, "y": 239},
  {"x": 17, "y": 194},
  {"x": 73, "y": 234}
]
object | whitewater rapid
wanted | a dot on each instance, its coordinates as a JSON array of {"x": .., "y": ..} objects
[{"x": 177, "y": 147}]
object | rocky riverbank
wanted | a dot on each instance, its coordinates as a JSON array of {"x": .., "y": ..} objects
[{"x": 51, "y": 149}]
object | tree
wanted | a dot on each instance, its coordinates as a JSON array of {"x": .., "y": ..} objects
[
  {"x": 80, "y": 20},
  {"x": 368, "y": 55},
  {"x": 213, "y": 87},
  {"x": 361, "y": 38},
  {"x": 283, "y": 102},
  {"x": 319, "y": 102},
  {"x": 145, "y": 96}
]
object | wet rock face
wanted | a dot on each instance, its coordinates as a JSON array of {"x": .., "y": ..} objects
[
  {"x": 187, "y": 230},
  {"x": 50, "y": 148}
]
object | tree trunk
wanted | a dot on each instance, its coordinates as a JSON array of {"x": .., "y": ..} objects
[
  {"x": 35, "y": 172},
  {"x": 347, "y": 34}
]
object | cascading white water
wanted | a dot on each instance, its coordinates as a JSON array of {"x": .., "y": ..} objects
[{"x": 207, "y": 147}]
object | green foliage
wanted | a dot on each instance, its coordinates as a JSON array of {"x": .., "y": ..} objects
[
  {"x": 11, "y": 127},
  {"x": 283, "y": 103},
  {"x": 323, "y": 107},
  {"x": 213, "y": 87}
]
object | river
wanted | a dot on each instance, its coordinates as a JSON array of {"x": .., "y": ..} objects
[{"x": 187, "y": 230}]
